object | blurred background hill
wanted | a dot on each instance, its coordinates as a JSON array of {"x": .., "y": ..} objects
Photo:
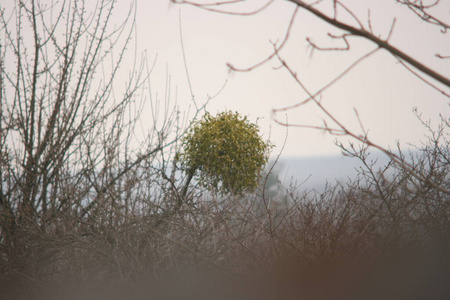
[{"x": 313, "y": 172}]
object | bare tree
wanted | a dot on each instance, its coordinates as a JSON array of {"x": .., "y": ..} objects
[{"x": 70, "y": 155}]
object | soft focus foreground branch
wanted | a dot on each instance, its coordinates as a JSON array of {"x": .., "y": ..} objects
[{"x": 381, "y": 43}]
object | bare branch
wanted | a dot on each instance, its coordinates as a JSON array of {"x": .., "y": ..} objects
[
  {"x": 381, "y": 43},
  {"x": 277, "y": 49}
]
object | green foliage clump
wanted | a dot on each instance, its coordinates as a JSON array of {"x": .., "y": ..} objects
[{"x": 227, "y": 152}]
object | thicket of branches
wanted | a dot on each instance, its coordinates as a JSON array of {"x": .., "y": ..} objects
[{"x": 83, "y": 204}]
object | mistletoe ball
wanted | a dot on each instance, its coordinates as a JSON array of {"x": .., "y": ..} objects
[{"x": 225, "y": 152}]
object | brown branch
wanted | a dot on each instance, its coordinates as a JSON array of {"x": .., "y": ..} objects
[
  {"x": 442, "y": 56},
  {"x": 359, "y": 60},
  {"x": 209, "y": 6},
  {"x": 423, "y": 79},
  {"x": 277, "y": 49},
  {"x": 381, "y": 43},
  {"x": 363, "y": 138},
  {"x": 419, "y": 10},
  {"x": 343, "y": 37}
]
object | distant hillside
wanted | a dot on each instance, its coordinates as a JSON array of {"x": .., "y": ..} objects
[{"x": 318, "y": 170}]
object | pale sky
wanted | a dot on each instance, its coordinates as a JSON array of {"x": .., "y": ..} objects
[{"x": 383, "y": 92}]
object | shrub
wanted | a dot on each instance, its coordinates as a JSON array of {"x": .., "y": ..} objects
[{"x": 226, "y": 151}]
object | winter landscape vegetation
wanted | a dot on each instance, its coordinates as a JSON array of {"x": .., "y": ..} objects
[{"x": 236, "y": 149}]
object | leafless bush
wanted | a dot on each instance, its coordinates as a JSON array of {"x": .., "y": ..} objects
[{"x": 374, "y": 223}]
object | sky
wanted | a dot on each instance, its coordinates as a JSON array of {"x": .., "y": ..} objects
[{"x": 382, "y": 91}]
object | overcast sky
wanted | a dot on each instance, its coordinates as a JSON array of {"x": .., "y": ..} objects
[{"x": 383, "y": 92}]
